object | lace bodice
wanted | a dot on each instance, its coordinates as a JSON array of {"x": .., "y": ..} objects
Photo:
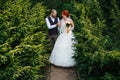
[{"x": 62, "y": 28}]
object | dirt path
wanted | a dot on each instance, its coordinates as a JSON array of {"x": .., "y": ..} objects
[{"x": 60, "y": 73}]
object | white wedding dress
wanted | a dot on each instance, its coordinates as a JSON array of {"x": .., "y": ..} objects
[{"x": 63, "y": 51}]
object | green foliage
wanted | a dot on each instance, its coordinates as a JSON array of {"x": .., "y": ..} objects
[
  {"x": 23, "y": 44},
  {"x": 97, "y": 52},
  {"x": 112, "y": 21}
]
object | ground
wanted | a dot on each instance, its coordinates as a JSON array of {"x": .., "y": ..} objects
[{"x": 61, "y": 73}]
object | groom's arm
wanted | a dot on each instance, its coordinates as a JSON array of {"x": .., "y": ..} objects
[{"x": 49, "y": 25}]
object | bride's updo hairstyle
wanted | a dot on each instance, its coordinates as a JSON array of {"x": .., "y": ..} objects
[{"x": 66, "y": 13}]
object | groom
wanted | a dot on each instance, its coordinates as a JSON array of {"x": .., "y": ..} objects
[{"x": 53, "y": 22}]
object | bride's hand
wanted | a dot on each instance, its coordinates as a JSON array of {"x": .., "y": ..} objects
[{"x": 72, "y": 24}]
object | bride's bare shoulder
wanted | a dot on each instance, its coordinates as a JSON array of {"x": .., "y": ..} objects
[{"x": 70, "y": 20}]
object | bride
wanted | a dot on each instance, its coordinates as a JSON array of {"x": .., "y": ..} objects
[{"x": 63, "y": 51}]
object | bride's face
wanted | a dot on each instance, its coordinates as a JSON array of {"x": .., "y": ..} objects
[{"x": 64, "y": 16}]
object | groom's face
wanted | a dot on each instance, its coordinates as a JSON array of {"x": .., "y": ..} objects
[{"x": 54, "y": 14}]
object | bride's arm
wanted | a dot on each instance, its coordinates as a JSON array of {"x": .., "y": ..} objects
[{"x": 72, "y": 24}]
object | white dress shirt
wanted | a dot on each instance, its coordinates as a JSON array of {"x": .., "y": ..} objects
[{"x": 48, "y": 23}]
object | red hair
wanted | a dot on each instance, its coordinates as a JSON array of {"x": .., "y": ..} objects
[{"x": 66, "y": 13}]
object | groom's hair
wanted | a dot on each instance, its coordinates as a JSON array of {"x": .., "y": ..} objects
[{"x": 53, "y": 10}]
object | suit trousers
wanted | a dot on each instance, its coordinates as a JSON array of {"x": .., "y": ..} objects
[{"x": 53, "y": 39}]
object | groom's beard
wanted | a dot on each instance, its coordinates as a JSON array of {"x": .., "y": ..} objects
[{"x": 53, "y": 16}]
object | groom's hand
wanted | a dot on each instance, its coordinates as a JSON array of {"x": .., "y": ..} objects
[{"x": 58, "y": 24}]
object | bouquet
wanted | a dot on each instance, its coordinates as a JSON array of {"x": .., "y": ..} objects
[{"x": 67, "y": 26}]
